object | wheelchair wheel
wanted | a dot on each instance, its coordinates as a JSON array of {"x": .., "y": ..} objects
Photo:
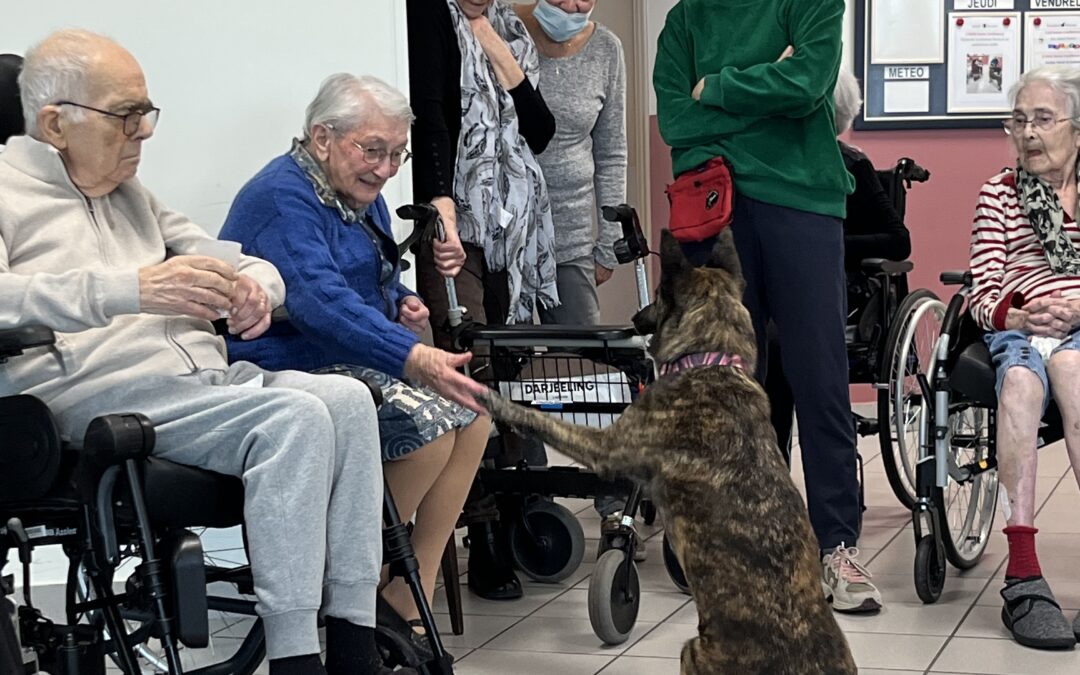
[
  {"x": 966, "y": 508},
  {"x": 674, "y": 567},
  {"x": 227, "y": 629},
  {"x": 909, "y": 351},
  {"x": 929, "y": 571},
  {"x": 546, "y": 542},
  {"x": 614, "y": 597}
]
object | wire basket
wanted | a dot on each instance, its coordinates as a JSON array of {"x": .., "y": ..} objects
[{"x": 586, "y": 376}]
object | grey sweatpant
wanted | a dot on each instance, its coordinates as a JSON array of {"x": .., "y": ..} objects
[{"x": 307, "y": 449}]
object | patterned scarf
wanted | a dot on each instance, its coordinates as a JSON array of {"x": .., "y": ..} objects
[
  {"x": 327, "y": 195},
  {"x": 1047, "y": 218},
  {"x": 500, "y": 192}
]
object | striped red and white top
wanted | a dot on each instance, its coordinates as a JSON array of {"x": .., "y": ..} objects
[{"x": 1008, "y": 266}]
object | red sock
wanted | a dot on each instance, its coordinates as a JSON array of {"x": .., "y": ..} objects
[{"x": 1023, "y": 563}]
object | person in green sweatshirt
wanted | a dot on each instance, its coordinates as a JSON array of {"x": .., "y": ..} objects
[{"x": 752, "y": 81}]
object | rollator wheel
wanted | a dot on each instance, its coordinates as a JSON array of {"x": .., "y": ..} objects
[
  {"x": 966, "y": 510},
  {"x": 673, "y": 567},
  {"x": 909, "y": 351},
  {"x": 546, "y": 542},
  {"x": 614, "y": 597},
  {"x": 929, "y": 571},
  {"x": 648, "y": 512}
]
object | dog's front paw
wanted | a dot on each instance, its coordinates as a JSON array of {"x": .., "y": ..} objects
[{"x": 497, "y": 406}]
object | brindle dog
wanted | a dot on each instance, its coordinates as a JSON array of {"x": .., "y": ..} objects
[{"x": 701, "y": 442}]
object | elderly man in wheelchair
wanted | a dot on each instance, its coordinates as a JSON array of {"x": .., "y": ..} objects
[
  {"x": 88, "y": 252},
  {"x": 1025, "y": 291}
]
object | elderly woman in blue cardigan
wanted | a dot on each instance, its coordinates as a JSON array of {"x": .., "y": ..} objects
[{"x": 317, "y": 214}]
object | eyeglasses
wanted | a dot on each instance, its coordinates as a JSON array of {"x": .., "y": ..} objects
[
  {"x": 377, "y": 155},
  {"x": 1044, "y": 122},
  {"x": 132, "y": 120}
]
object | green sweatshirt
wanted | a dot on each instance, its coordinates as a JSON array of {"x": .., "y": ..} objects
[{"x": 773, "y": 121}]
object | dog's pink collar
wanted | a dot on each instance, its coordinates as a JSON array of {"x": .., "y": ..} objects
[{"x": 701, "y": 360}]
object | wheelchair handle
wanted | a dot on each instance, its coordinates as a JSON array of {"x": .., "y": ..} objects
[
  {"x": 633, "y": 247},
  {"x": 956, "y": 278},
  {"x": 428, "y": 223}
]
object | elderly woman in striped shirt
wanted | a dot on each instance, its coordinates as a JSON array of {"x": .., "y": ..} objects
[{"x": 1025, "y": 260}]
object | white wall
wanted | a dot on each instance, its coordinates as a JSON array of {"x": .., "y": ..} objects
[
  {"x": 232, "y": 78},
  {"x": 657, "y": 10}
]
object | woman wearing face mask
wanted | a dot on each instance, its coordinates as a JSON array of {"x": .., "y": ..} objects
[
  {"x": 584, "y": 75},
  {"x": 480, "y": 122}
]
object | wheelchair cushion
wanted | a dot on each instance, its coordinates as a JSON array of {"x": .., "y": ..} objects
[
  {"x": 30, "y": 457},
  {"x": 185, "y": 496}
]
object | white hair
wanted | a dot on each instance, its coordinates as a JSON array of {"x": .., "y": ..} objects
[
  {"x": 57, "y": 69},
  {"x": 1062, "y": 79},
  {"x": 847, "y": 99},
  {"x": 346, "y": 101}
]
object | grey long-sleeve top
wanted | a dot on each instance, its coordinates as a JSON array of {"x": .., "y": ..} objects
[{"x": 585, "y": 163}]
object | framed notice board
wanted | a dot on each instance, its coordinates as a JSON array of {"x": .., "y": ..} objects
[{"x": 929, "y": 64}]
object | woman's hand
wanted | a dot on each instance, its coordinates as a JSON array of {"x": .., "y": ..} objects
[
  {"x": 437, "y": 369},
  {"x": 413, "y": 314},
  {"x": 449, "y": 253},
  {"x": 602, "y": 274},
  {"x": 507, "y": 70}
]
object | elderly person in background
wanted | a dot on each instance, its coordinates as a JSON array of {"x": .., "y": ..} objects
[
  {"x": 1025, "y": 266},
  {"x": 872, "y": 229},
  {"x": 88, "y": 251},
  {"x": 480, "y": 122},
  {"x": 316, "y": 213}
]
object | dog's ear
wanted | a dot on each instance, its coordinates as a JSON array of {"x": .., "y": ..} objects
[
  {"x": 724, "y": 256},
  {"x": 673, "y": 262},
  {"x": 645, "y": 320}
]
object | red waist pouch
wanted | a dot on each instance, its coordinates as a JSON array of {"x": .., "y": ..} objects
[{"x": 700, "y": 201}]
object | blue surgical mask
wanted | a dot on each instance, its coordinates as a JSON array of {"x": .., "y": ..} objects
[{"x": 559, "y": 24}]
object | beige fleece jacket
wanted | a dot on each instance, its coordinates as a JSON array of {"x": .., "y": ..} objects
[{"x": 71, "y": 263}]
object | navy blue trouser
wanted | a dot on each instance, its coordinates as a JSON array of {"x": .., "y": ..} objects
[{"x": 793, "y": 262}]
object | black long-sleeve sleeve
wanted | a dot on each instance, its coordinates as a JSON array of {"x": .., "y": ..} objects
[
  {"x": 535, "y": 121},
  {"x": 873, "y": 228},
  {"x": 435, "y": 93}
]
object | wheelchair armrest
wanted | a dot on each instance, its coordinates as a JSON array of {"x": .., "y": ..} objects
[
  {"x": 14, "y": 340},
  {"x": 956, "y": 277},
  {"x": 892, "y": 268},
  {"x": 114, "y": 439}
]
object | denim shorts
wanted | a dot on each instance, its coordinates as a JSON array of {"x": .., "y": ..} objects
[{"x": 1011, "y": 348}]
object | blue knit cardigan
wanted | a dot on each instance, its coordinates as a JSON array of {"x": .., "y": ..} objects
[{"x": 340, "y": 309}]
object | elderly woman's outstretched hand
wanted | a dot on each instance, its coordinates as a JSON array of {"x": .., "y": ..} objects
[{"x": 438, "y": 370}]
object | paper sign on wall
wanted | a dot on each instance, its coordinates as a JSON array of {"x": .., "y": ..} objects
[
  {"x": 984, "y": 60},
  {"x": 1051, "y": 39}
]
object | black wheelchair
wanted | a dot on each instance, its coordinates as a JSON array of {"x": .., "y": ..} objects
[
  {"x": 887, "y": 325},
  {"x": 116, "y": 509},
  {"x": 956, "y": 479}
]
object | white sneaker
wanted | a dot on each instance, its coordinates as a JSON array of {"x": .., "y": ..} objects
[{"x": 847, "y": 583}]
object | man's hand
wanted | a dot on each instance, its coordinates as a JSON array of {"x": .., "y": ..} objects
[
  {"x": 438, "y": 370},
  {"x": 249, "y": 315},
  {"x": 413, "y": 314},
  {"x": 1056, "y": 307},
  {"x": 449, "y": 254},
  {"x": 603, "y": 274},
  {"x": 188, "y": 285}
]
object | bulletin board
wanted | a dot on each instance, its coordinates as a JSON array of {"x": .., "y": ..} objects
[{"x": 931, "y": 64}]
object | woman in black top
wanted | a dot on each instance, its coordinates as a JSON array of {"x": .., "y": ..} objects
[
  {"x": 473, "y": 85},
  {"x": 872, "y": 229}
]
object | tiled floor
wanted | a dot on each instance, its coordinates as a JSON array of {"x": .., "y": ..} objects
[{"x": 548, "y": 631}]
